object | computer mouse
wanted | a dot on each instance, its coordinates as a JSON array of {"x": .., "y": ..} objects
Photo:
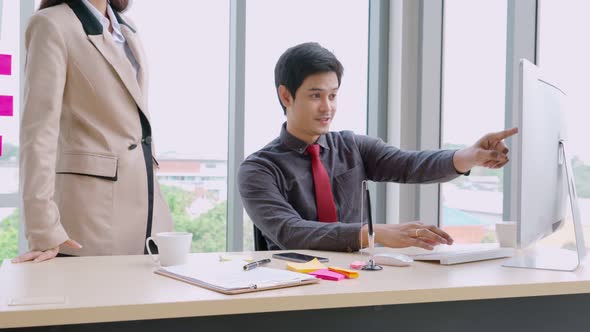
[{"x": 393, "y": 259}]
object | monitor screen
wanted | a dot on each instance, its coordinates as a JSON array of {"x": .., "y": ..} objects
[
  {"x": 545, "y": 175},
  {"x": 542, "y": 191}
]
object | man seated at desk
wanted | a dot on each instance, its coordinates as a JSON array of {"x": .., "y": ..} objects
[{"x": 303, "y": 189}]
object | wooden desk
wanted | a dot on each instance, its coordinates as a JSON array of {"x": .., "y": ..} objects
[{"x": 122, "y": 290}]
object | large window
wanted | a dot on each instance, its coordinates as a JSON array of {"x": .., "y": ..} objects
[
  {"x": 9, "y": 123},
  {"x": 563, "y": 54},
  {"x": 474, "y": 58},
  {"x": 187, "y": 47},
  {"x": 275, "y": 25}
]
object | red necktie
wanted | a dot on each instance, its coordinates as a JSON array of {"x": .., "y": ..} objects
[{"x": 324, "y": 199}]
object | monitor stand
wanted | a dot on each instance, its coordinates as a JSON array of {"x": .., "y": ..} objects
[{"x": 554, "y": 258}]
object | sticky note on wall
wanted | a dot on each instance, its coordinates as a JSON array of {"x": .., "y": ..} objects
[
  {"x": 5, "y": 64},
  {"x": 1, "y": 12},
  {"x": 6, "y": 105}
]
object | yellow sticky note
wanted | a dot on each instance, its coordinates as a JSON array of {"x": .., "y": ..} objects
[
  {"x": 310, "y": 266},
  {"x": 229, "y": 257},
  {"x": 349, "y": 274}
]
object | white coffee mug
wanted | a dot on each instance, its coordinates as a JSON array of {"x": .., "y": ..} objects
[
  {"x": 506, "y": 234},
  {"x": 173, "y": 247}
]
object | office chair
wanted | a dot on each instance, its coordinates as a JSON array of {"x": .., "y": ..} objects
[{"x": 259, "y": 240}]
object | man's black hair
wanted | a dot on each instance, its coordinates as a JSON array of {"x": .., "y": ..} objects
[{"x": 301, "y": 61}]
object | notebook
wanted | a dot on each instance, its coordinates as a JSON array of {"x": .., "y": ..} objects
[{"x": 230, "y": 277}]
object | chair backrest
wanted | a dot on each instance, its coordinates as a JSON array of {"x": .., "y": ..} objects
[{"x": 259, "y": 240}]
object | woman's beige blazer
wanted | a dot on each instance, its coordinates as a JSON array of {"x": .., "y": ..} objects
[{"x": 86, "y": 152}]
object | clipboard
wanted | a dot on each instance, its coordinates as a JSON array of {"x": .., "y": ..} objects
[{"x": 230, "y": 278}]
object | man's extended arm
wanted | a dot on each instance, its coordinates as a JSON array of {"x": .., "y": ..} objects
[{"x": 387, "y": 163}]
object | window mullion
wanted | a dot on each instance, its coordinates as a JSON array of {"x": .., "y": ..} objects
[
  {"x": 429, "y": 99},
  {"x": 521, "y": 43},
  {"x": 237, "y": 70},
  {"x": 377, "y": 89}
]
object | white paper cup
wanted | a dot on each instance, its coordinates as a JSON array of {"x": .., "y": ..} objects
[{"x": 506, "y": 234}]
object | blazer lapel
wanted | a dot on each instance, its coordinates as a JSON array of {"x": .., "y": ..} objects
[
  {"x": 121, "y": 65},
  {"x": 109, "y": 50}
]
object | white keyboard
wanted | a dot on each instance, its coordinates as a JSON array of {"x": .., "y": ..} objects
[{"x": 464, "y": 254}]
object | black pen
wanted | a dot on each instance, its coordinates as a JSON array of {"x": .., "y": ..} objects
[
  {"x": 256, "y": 264},
  {"x": 369, "y": 215}
]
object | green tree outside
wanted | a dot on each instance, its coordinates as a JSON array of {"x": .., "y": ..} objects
[
  {"x": 582, "y": 177},
  {"x": 248, "y": 234},
  {"x": 209, "y": 229},
  {"x": 9, "y": 236},
  {"x": 9, "y": 152}
]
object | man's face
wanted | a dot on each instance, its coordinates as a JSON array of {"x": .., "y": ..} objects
[{"x": 311, "y": 112}]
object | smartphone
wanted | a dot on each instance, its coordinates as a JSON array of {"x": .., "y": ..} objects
[{"x": 296, "y": 257}]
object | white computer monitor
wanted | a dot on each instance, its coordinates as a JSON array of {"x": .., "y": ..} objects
[{"x": 544, "y": 173}]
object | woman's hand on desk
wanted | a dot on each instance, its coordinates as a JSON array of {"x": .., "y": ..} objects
[
  {"x": 39, "y": 256},
  {"x": 414, "y": 234}
]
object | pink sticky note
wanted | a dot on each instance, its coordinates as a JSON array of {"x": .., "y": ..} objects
[
  {"x": 357, "y": 265},
  {"x": 5, "y": 64},
  {"x": 0, "y": 146},
  {"x": 327, "y": 275},
  {"x": 5, "y": 105}
]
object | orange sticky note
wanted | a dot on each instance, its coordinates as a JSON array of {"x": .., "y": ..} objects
[{"x": 349, "y": 274}]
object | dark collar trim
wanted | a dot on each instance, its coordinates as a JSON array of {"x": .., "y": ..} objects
[
  {"x": 89, "y": 22},
  {"x": 121, "y": 21}
]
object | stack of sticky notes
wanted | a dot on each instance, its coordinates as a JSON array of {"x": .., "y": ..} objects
[{"x": 319, "y": 270}]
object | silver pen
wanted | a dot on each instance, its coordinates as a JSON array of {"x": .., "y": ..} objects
[{"x": 256, "y": 264}]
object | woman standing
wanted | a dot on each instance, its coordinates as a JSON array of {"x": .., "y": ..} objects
[{"x": 86, "y": 152}]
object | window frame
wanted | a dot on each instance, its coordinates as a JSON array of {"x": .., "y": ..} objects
[
  {"x": 421, "y": 79},
  {"x": 236, "y": 125},
  {"x": 27, "y": 8},
  {"x": 377, "y": 92},
  {"x": 522, "y": 41}
]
